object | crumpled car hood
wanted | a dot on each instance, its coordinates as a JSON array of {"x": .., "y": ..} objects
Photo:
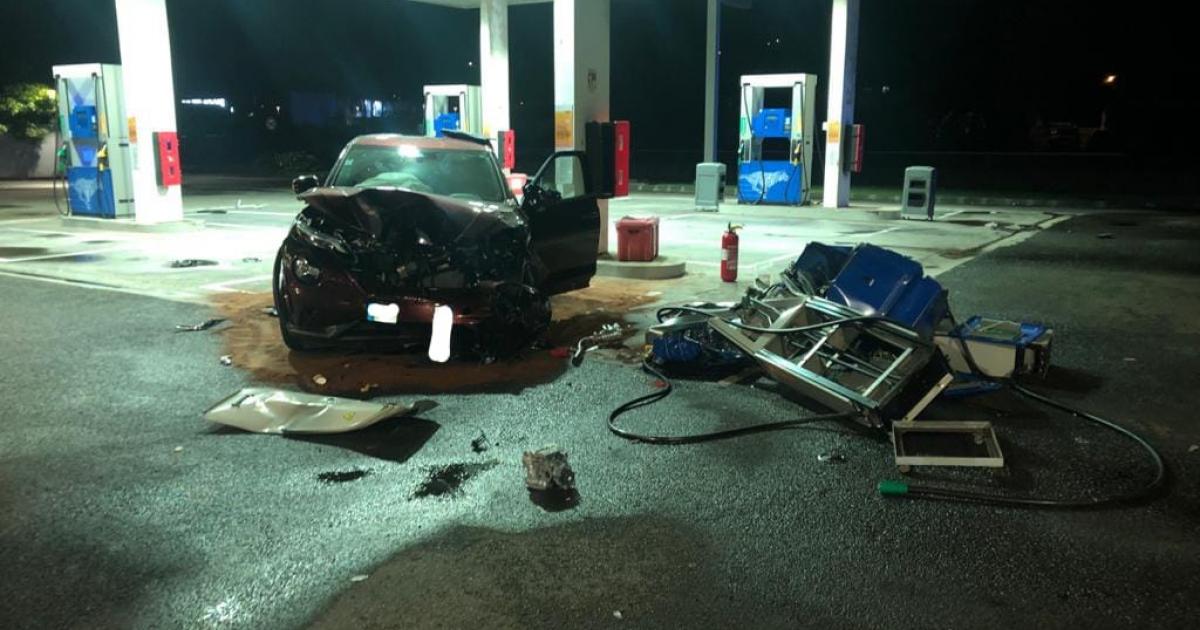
[{"x": 384, "y": 212}]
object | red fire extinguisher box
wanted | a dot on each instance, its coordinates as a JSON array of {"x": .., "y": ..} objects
[{"x": 637, "y": 239}]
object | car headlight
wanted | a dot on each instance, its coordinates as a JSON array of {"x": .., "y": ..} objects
[
  {"x": 320, "y": 239},
  {"x": 305, "y": 271}
]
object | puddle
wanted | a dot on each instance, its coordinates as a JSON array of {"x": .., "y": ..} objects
[
  {"x": 342, "y": 476},
  {"x": 253, "y": 341},
  {"x": 20, "y": 252},
  {"x": 189, "y": 263},
  {"x": 448, "y": 480},
  {"x": 80, "y": 258}
]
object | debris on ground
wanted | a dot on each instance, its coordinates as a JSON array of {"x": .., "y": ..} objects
[
  {"x": 319, "y": 380},
  {"x": 547, "y": 468},
  {"x": 359, "y": 578},
  {"x": 178, "y": 449},
  {"x": 204, "y": 325},
  {"x": 831, "y": 457},
  {"x": 227, "y": 360},
  {"x": 448, "y": 480},
  {"x": 617, "y": 614},
  {"x": 270, "y": 311},
  {"x": 607, "y": 334},
  {"x": 480, "y": 443},
  {"x": 365, "y": 389},
  {"x": 342, "y": 476},
  {"x": 1105, "y": 235},
  {"x": 1193, "y": 448},
  {"x": 266, "y": 410},
  {"x": 188, "y": 263},
  {"x": 851, "y": 329}
]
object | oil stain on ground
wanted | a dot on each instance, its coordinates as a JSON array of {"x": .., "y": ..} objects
[
  {"x": 448, "y": 480},
  {"x": 342, "y": 476},
  {"x": 17, "y": 252}
]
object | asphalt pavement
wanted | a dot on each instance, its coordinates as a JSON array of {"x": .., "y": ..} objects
[{"x": 121, "y": 507}]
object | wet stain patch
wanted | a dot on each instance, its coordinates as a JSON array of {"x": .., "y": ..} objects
[
  {"x": 188, "y": 263},
  {"x": 80, "y": 258},
  {"x": 342, "y": 476},
  {"x": 448, "y": 480},
  {"x": 18, "y": 252}
]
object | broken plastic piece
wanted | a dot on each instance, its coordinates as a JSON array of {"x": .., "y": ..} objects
[
  {"x": 266, "y": 410},
  {"x": 607, "y": 334},
  {"x": 204, "y": 325},
  {"x": 831, "y": 457},
  {"x": 547, "y": 468},
  {"x": 227, "y": 360}
]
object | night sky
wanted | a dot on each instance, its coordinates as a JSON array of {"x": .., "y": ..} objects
[{"x": 924, "y": 65}]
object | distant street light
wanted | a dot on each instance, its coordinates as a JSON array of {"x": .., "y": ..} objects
[{"x": 1110, "y": 79}]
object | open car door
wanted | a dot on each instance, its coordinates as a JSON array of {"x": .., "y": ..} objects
[{"x": 564, "y": 222}]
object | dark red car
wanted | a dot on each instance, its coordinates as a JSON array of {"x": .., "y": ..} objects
[{"x": 406, "y": 224}]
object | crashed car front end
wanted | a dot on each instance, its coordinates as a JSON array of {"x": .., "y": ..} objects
[{"x": 370, "y": 266}]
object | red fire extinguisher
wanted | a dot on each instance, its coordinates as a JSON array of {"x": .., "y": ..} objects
[{"x": 729, "y": 253}]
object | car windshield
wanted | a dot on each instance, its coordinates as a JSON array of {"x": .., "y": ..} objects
[{"x": 455, "y": 173}]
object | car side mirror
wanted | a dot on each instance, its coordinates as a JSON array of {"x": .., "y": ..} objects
[{"x": 305, "y": 183}]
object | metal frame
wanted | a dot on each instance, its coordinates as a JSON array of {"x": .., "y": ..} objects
[
  {"x": 831, "y": 366},
  {"x": 983, "y": 432}
]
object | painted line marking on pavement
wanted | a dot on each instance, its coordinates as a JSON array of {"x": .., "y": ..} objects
[
  {"x": 225, "y": 288},
  {"x": 879, "y": 233},
  {"x": 243, "y": 226},
  {"x": 1007, "y": 241},
  {"x": 184, "y": 297},
  {"x": 33, "y": 231},
  {"x": 87, "y": 252},
  {"x": 29, "y": 220}
]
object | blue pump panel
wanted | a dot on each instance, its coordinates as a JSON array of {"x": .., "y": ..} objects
[
  {"x": 772, "y": 123},
  {"x": 769, "y": 181},
  {"x": 90, "y": 192},
  {"x": 450, "y": 121},
  {"x": 83, "y": 122},
  {"x": 882, "y": 282}
]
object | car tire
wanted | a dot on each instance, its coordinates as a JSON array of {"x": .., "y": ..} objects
[{"x": 282, "y": 310}]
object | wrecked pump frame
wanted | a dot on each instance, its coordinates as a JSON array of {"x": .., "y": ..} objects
[
  {"x": 370, "y": 265},
  {"x": 866, "y": 367}
]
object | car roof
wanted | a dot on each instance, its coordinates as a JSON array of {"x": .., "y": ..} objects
[{"x": 420, "y": 142}]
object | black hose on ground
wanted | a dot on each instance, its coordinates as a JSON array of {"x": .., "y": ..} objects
[
  {"x": 666, "y": 390},
  {"x": 1148, "y": 491},
  {"x": 894, "y": 488}
]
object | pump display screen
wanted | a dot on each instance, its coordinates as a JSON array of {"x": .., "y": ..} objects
[{"x": 470, "y": 175}]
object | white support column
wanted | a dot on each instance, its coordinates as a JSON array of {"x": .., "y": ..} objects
[
  {"x": 712, "y": 67},
  {"x": 581, "y": 77},
  {"x": 149, "y": 102},
  {"x": 843, "y": 65},
  {"x": 493, "y": 65}
]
